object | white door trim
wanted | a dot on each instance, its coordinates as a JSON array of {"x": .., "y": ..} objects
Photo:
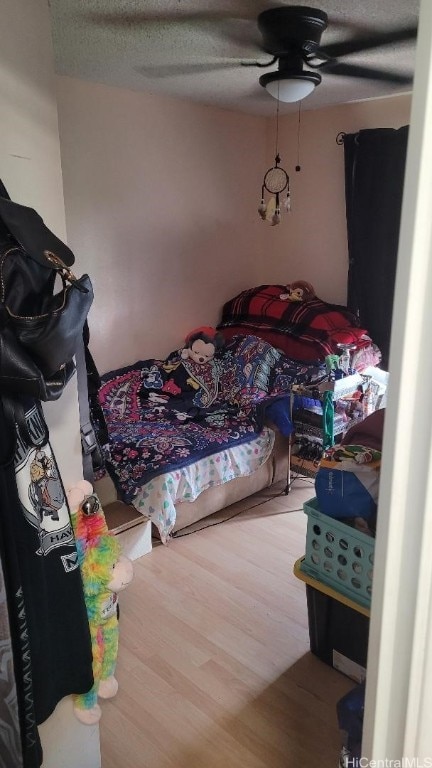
[{"x": 398, "y": 708}]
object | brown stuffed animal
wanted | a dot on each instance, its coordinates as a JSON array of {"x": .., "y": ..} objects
[{"x": 298, "y": 291}]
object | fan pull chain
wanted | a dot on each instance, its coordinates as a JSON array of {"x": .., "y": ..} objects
[
  {"x": 277, "y": 214},
  {"x": 298, "y": 166},
  {"x": 287, "y": 203},
  {"x": 277, "y": 125}
]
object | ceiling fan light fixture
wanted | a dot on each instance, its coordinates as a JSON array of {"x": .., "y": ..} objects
[{"x": 290, "y": 87}]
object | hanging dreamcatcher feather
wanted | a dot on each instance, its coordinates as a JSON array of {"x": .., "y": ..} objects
[{"x": 270, "y": 209}]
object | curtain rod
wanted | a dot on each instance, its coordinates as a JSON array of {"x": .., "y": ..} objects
[{"x": 340, "y": 138}]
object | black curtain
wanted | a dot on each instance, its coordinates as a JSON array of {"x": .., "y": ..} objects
[{"x": 374, "y": 177}]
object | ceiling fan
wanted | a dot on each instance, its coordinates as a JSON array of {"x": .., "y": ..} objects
[{"x": 292, "y": 36}]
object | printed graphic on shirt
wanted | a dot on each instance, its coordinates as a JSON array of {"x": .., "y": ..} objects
[{"x": 41, "y": 493}]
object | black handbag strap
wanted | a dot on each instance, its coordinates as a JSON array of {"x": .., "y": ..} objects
[
  {"x": 88, "y": 437},
  {"x": 4, "y": 232},
  {"x": 3, "y": 191},
  {"x": 8, "y": 436},
  {"x": 13, "y": 417}
]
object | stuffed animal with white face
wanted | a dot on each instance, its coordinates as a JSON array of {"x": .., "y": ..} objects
[{"x": 202, "y": 344}]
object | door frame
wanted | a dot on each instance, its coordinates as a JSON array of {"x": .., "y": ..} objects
[{"x": 399, "y": 677}]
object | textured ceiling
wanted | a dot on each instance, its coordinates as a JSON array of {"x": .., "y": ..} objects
[{"x": 165, "y": 46}]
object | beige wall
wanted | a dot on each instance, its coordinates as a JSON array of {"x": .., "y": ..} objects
[
  {"x": 311, "y": 243},
  {"x": 31, "y": 170},
  {"x": 161, "y": 204}
]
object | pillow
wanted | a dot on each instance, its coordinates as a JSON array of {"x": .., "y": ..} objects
[{"x": 295, "y": 348}]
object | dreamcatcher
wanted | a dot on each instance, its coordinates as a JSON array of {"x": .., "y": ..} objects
[{"x": 276, "y": 181}]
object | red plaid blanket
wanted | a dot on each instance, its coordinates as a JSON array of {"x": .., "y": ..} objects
[{"x": 314, "y": 320}]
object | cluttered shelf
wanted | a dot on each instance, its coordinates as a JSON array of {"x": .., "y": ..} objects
[{"x": 322, "y": 414}]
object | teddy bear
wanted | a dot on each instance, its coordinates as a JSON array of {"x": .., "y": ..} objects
[
  {"x": 201, "y": 345},
  {"x": 298, "y": 291},
  {"x": 105, "y": 572}
]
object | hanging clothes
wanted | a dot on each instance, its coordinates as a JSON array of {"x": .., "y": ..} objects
[
  {"x": 48, "y": 618},
  {"x": 10, "y": 732},
  {"x": 9, "y": 511}
]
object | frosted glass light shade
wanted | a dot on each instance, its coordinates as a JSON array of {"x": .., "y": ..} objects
[
  {"x": 290, "y": 87},
  {"x": 290, "y": 90}
]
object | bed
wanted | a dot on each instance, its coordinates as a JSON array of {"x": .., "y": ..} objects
[
  {"x": 305, "y": 328},
  {"x": 187, "y": 439},
  {"x": 296, "y": 321}
]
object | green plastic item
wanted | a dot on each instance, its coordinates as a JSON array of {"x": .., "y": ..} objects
[{"x": 338, "y": 555}]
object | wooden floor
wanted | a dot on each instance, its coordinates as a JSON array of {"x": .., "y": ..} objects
[{"x": 214, "y": 664}]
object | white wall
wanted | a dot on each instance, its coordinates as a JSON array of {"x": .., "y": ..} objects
[
  {"x": 311, "y": 243},
  {"x": 31, "y": 170},
  {"x": 161, "y": 204}
]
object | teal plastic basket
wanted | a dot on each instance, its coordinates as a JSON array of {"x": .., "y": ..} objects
[{"x": 338, "y": 555}]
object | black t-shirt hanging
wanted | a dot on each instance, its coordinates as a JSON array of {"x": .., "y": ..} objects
[
  {"x": 10, "y": 510},
  {"x": 42, "y": 536},
  {"x": 11, "y": 753},
  {"x": 56, "y": 612}
]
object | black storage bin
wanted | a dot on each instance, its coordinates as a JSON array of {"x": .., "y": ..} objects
[
  {"x": 338, "y": 627},
  {"x": 333, "y": 626}
]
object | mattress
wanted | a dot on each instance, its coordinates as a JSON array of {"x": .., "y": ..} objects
[{"x": 158, "y": 498}]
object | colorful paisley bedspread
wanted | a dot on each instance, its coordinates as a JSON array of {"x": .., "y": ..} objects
[{"x": 165, "y": 414}]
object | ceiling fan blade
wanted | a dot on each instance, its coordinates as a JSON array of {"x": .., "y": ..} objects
[
  {"x": 357, "y": 44},
  {"x": 367, "y": 73},
  {"x": 128, "y": 19},
  {"x": 246, "y": 11},
  {"x": 181, "y": 16},
  {"x": 238, "y": 28},
  {"x": 355, "y": 27},
  {"x": 172, "y": 70}
]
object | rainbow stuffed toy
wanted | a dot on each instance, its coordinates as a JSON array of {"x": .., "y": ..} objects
[{"x": 105, "y": 572}]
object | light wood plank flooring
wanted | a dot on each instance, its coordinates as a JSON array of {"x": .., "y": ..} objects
[{"x": 214, "y": 663}]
